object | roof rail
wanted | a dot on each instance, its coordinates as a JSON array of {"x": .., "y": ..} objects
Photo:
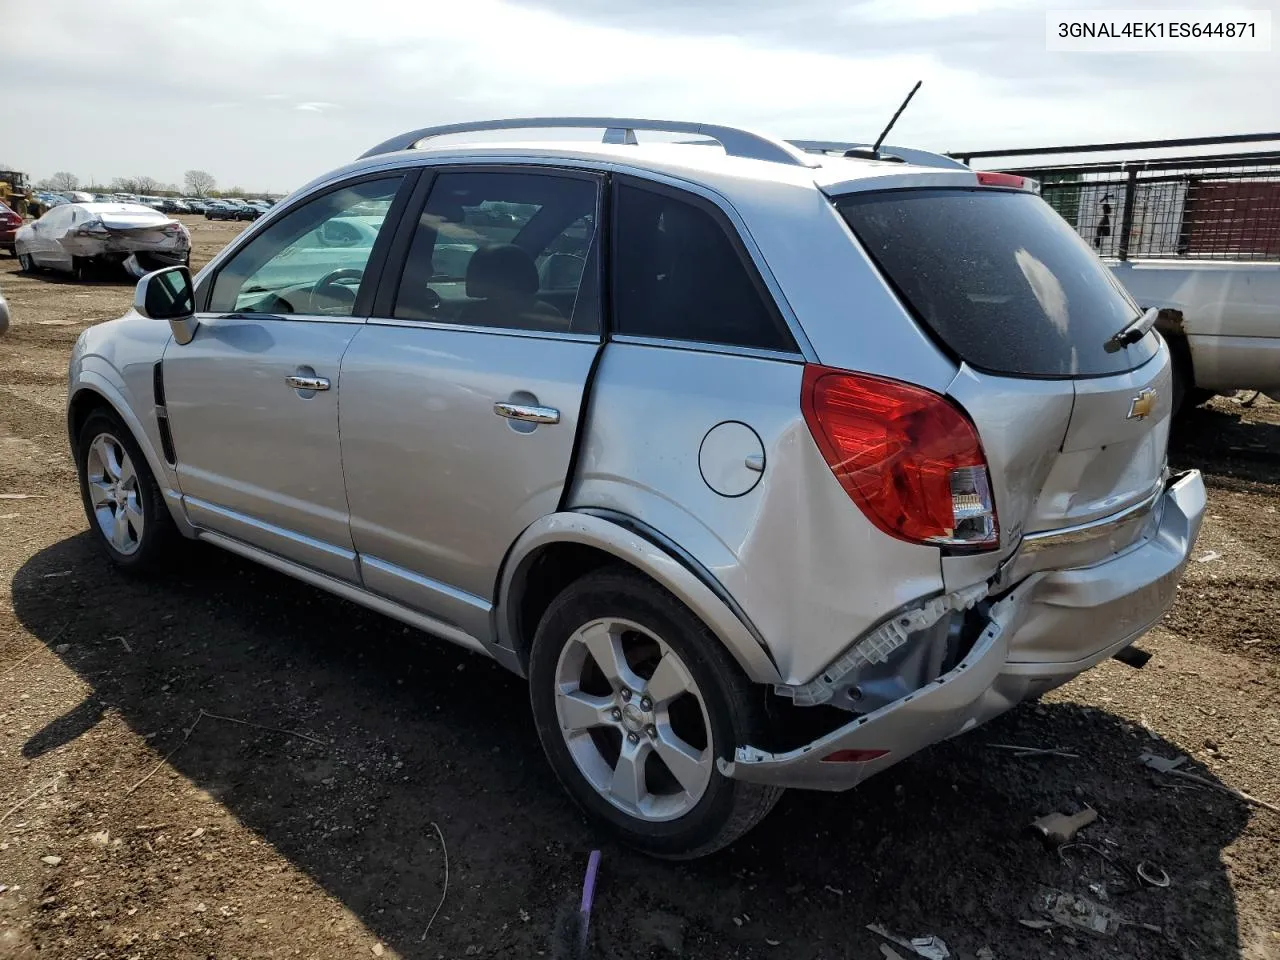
[
  {"x": 736, "y": 142},
  {"x": 922, "y": 158}
]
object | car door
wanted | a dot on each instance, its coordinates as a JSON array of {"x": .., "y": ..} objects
[
  {"x": 252, "y": 400},
  {"x": 462, "y": 394},
  {"x": 45, "y": 248}
]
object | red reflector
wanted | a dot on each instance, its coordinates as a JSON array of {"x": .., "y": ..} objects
[
  {"x": 908, "y": 458},
  {"x": 854, "y": 756},
  {"x": 1002, "y": 180}
]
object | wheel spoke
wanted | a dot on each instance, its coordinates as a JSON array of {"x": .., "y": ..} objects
[
  {"x": 99, "y": 492},
  {"x": 109, "y": 455},
  {"x": 581, "y": 711},
  {"x": 120, "y": 532},
  {"x": 128, "y": 479},
  {"x": 670, "y": 679},
  {"x": 628, "y": 784},
  {"x": 690, "y": 767},
  {"x": 134, "y": 516},
  {"x": 604, "y": 642}
]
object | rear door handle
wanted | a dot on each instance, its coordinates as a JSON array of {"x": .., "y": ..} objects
[
  {"x": 526, "y": 412},
  {"x": 307, "y": 383}
]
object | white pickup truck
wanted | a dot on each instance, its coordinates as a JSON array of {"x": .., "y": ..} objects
[
  {"x": 1220, "y": 317},
  {"x": 1196, "y": 236}
]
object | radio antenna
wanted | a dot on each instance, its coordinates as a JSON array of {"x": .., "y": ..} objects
[{"x": 875, "y": 150}]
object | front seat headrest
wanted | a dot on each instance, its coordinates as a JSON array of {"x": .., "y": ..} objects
[{"x": 503, "y": 271}]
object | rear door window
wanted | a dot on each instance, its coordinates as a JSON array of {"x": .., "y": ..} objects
[
  {"x": 512, "y": 250},
  {"x": 1000, "y": 279}
]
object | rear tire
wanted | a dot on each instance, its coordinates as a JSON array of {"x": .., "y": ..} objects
[
  {"x": 81, "y": 268},
  {"x": 1186, "y": 395},
  {"x": 127, "y": 515},
  {"x": 642, "y": 762}
]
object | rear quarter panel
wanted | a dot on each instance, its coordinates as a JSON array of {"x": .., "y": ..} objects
[{"x": 800, "y": 559}]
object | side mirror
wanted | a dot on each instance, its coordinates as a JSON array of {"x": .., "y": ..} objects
[{"x": 168, "y": 295}]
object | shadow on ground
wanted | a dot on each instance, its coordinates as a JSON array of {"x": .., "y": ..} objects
[
  {"x": 1223, "y": 439},
  {"x": 418, "y": 732},
  {"x": 99, "y": 277}
]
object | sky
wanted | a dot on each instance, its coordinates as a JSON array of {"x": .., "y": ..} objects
[{"x": 266, "y": 94}]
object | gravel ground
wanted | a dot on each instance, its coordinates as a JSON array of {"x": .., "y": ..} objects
[{"x": 225, "y": 763}]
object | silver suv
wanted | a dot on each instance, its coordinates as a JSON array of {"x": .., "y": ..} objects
[{"x": 767, "y": 463}]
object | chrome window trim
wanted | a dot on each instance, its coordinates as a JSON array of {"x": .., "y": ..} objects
[
  {"x": 473, "y": 328},
  {"x": 281, "y": 317},
  {"x": 699, "y": 346}
]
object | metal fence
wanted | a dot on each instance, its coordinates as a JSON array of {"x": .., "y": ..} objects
[{"x": 1219, "y": 207}]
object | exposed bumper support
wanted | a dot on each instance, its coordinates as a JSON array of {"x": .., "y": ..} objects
[{"x": 1051, "y": 627}]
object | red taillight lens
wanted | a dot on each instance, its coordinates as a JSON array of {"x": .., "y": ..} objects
[
  {"x": 1002, "y": 180},
  {"x": 909, "y": 459}
]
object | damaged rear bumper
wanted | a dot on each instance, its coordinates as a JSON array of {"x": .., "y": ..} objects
[{"x": 1049, "y": 628}]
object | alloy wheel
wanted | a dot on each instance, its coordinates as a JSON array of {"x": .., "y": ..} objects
[
  {"x": 114, "y": 493},
  {"x": 634, "y": 719}
]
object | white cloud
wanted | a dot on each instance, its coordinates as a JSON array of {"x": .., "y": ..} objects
[{"x": 808, "y": 68}]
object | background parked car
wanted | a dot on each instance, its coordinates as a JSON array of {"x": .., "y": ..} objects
[
  {"x": 251, "y": 211},
  {"x": 219, "y": 210},
  {"x": 195, "y": 204},
  {"x": 9, "y": 224},
  {"x": 78, "y": 237}
]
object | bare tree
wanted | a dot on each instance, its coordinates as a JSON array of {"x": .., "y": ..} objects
[
  {"x": 199, "y": 182},
  {"x": 61, "y": 181},
  {"x": 148, "y": 184},
  {"x": 125, "y": 185}
]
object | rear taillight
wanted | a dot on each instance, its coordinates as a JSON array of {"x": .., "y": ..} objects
[
  {"x": 909, "y": 459},
  {"x": 92, "y": 228}
]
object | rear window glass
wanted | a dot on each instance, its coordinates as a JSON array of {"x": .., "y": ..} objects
[{"x": 1000, "y": 279}]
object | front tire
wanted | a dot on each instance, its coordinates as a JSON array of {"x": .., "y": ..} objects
[
  {"x": 122, "y": 501},
  {"x": 26, "y": 264},
  {"x": 634, "y": 700}
]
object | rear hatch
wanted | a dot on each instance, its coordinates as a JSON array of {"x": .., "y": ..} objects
[{"x": 1074, "y": 425}]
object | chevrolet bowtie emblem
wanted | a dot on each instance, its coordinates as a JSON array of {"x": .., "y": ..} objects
[{"x": 1141, "y": 406}]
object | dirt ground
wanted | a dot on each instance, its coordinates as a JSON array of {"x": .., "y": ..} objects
[{"x": 224, "y": 763}]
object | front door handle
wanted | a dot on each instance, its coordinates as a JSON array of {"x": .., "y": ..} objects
[
  {"x": 526, "y": 412},
  {"x": 307, "y": 383}
]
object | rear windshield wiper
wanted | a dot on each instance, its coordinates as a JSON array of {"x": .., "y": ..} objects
[{"x": 1132, "y": 332}]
